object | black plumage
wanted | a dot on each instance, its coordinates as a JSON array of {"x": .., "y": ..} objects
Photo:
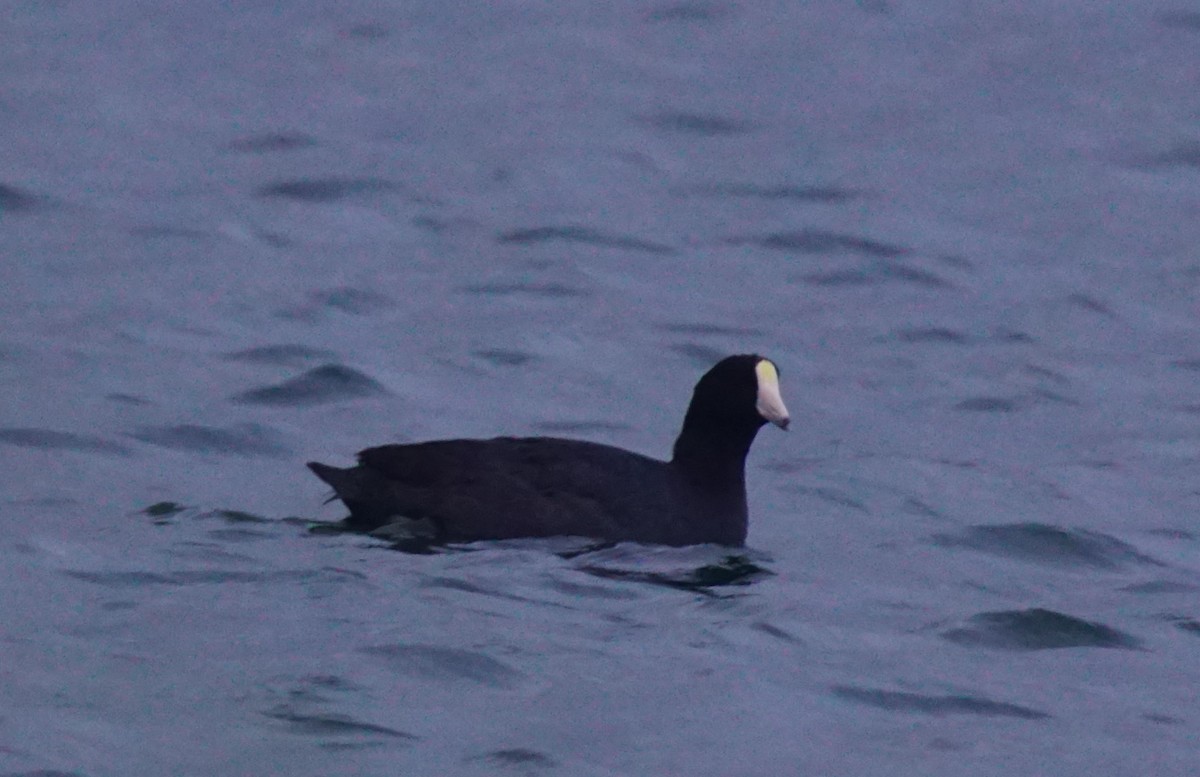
[{"x": 508, "y": 487}]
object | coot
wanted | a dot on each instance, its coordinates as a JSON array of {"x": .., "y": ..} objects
[{"x": 508, "y": 487}]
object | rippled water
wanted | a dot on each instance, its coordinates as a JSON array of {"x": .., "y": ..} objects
[{"x": 236, "y": 240}]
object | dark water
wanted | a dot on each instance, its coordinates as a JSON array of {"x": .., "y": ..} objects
[{"x": 236, "y": 240}]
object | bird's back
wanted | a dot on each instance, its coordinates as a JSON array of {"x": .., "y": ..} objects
[{"x": 514, "y": 487}]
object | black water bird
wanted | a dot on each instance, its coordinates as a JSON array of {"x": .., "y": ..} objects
[{"x": 509, "y": 487}]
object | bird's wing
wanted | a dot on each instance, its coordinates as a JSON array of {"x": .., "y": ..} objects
[{"x": 519, "y": 487}]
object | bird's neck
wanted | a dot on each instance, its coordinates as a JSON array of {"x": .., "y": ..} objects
[{"x": 713, "y": 455}]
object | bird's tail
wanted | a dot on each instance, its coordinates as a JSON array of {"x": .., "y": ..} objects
[
  {"x": 358, "y": 489},
  {"x": 342, "y": 481}
]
